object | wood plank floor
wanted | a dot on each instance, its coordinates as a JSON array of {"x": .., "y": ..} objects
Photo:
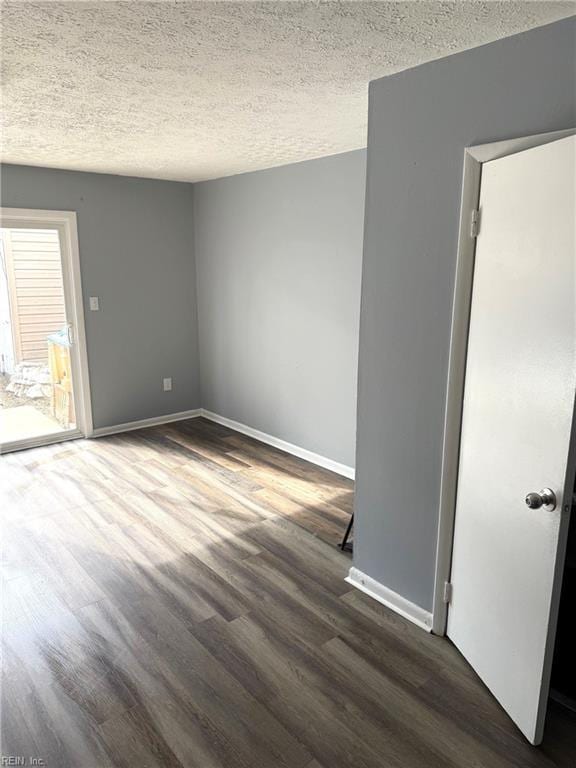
[{"x": 174, "y": 597}]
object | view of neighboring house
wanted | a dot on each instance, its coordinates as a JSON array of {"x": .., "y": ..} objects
[{"x": 32, "y": 318}]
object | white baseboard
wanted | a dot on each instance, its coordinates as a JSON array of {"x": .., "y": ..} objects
[
  {"x": 143, "y": 423},
  {"x": 391, "y": 599},
  {"x": 295, "y": 450}
]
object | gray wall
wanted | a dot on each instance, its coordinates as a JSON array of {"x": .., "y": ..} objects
[
  {"x": 279, "y": 260},
  {"x": 136, "y": 253},
  {"x": 420, "y": 121}
]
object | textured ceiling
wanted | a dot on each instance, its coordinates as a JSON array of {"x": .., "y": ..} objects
[{"x": 197, "y": 90}]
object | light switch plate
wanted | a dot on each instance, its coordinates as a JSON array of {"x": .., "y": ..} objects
[{"x": 94, "y": 303}]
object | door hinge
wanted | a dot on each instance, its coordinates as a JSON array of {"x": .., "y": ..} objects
[
  {"x": 447, "y": 595},
  {"x": 475, "y": 223}
]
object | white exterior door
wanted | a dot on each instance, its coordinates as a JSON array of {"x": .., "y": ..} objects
[
  {"x": 49, "y": 387},
  {"x": 516, "y": 428}
]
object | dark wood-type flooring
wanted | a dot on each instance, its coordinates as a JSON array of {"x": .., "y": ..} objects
[{"x": 174, "y": 597}]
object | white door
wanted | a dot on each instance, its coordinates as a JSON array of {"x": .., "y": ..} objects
[
  {"x": 516, "y": 428},
  {"x": 45, "y": 397}
]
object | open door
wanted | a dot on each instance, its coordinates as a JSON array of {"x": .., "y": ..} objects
[
  {"x": 516, "y": 471},
  {"x": 44, "y": 394}
]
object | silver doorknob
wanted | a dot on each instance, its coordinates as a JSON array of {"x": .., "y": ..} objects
[{"x": 546, "y": 498}]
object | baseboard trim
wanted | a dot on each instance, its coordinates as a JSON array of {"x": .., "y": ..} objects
[
  {"x": 263, "y": 437},
  {"x": 295, "y": 450},
  {"x": 393, "y": 600},
  {"x": 143, "y": 423}
]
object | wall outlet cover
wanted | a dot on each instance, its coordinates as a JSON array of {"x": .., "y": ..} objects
[{"x": 167, "y": 384}]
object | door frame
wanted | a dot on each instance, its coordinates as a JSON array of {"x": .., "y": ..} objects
[
  {"x": 65, "y": 222},
  {"x": 11, "y": 290},
  {"x": 474, "y": 157}
]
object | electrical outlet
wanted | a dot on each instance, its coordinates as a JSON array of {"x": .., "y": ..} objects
[
  {"x": 167, "y": 383},
  {"x": 94, "y": 303}
]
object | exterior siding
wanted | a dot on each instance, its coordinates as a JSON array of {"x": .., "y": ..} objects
[{"x": 35, "y": 289}]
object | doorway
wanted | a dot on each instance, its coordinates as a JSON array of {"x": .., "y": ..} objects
[
  {"x": 509, "y": 452},
  {"x": 44, "y": 392}
]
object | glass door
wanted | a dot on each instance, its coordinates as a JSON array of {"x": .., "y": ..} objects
[{"x": 38, "y": 350}]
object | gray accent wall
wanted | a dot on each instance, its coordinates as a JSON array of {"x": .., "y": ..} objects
[
  {"x": 278, "y": 257},
  {"x": 136, "y": 254},
  {"x": 420, "y": 121}
]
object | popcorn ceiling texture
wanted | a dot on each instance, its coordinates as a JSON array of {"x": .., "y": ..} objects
[{"x": 197, "y": 90}]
